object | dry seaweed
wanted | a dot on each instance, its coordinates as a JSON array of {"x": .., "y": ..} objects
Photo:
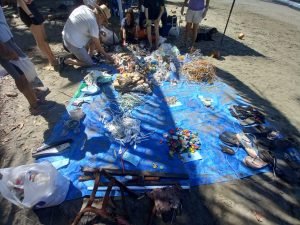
[{"x": 200, "y": 71}]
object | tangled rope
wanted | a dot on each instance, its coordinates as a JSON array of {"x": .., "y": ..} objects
[
  {"x": 200, "y": 71},
  {"x": 128, "y": 101}
]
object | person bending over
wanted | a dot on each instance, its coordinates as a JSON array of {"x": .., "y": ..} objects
[
  {"x": 82, "y": 31},
  {"x": 153, "y": 12},
  {"x": 128, "y": 27}
]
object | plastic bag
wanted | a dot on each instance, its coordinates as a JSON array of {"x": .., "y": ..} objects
[
  {"x": 27, "y": 68},
  {"x": 36, "y": 185}
]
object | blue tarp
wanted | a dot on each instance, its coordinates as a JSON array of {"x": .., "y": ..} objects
[{"x": 92, "y": 146}]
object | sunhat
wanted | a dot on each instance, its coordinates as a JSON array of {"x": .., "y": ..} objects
[{"x": 104, "y": 10}]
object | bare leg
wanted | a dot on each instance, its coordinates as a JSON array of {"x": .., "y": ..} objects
[
  {"x": 25, "y": 88},
  {"x": 195, "y": 32},
  {"x": 123, "y": 33},
  {"x": 156, "y": 26},
  {"x": 39, "y": 34},
  {"x": 188, "y": 28},
  {"x": 149, "y": 35}
]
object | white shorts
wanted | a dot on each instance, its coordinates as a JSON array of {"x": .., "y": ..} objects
[{"x": 193, "y": 16}]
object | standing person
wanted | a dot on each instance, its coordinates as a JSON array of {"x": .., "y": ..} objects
[
  {"x": 154, "y": 10},
  {"x": 197, "y": 10},
  {"x": 31, "y": 17},
  {"x": 10, "y": 51},
  {"x": 82, "y": 31},
  {"x": 128, "y": 27}
]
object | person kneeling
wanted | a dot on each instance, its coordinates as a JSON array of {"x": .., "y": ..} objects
[{"x": 82, "y": 31}]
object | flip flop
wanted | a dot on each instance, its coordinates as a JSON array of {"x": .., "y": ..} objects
[
  {"x": 254, "y": 163},
  {"x": 248, "y": 111},
  {"x": 227, "y": 150},
  {"x": 229, "y": 138},
  {"x": 41, "y": 92},
  {"x": 248, "y": 144},
  {"x": 250, "y": 121},
  {"x": 257, "y": 130},
  {"x": 61, "y": 64},
  {"x": 268, "y": 157}
]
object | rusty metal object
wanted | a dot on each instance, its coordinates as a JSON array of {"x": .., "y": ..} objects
[{"x": 103, "y": 212}]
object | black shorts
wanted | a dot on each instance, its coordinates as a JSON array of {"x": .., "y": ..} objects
[
  {"x": 38, "y": 19},
  {"x": 153, "y": 15}
]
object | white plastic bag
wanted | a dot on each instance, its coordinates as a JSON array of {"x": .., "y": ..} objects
[
  {"x": 175, "y": 29},
  {"x": 107, "y": 36},
  {"x": 27, "y": 67},
  {"x": 36, "y": 185}
]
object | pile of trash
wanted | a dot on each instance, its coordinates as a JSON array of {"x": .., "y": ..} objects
[
  {"x": 200, "y": 71},
  {"x": 125, "y": 129},
  {"x": 182, "y": 141},
  {"x": 132, "y": 82}
]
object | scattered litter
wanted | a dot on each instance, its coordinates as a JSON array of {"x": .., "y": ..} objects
[
  {"x": 259, "y": 217},
  {"x": 90, "y": 90},
  {"x": 128, "y": 101},
  {"x": 79, "y": 101},
  {"x": 188, "y": 157},
  {"x": 206, "y": 101},
  {"x": 52, "y": 149},
  {"x": 76, "y": 114},
  {"x": 132, "y": 82},
  {"x": 131, "y": 158},
  {"x": 11, "y": 94},
  {"x": 60, "y": 163},
  {"x": 241, "y": 36},
  {"x": 183, "y": 141}
]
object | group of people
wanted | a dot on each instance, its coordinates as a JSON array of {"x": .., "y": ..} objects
[{"x": 81, "y": 35}]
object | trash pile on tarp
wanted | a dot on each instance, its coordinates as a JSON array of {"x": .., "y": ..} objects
[{"x": 136, "y": 117}]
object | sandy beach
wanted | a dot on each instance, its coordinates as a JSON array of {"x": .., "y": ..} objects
[{"x": 264, "y": 67}]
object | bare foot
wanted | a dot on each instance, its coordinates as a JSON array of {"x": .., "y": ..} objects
[{"x": 48, "y": 67}]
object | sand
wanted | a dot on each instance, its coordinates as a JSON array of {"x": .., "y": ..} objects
[{"x": 264, "y": 67}]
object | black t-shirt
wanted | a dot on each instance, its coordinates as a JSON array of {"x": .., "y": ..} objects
[{"x": 153, "y": 7}]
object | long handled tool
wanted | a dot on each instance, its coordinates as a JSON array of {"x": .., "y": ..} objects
[
  {"x": 216, "y": 53},
  {"x": 221, "y": 42}
]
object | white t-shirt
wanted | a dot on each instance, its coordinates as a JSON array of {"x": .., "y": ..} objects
[
  {"x": 80, "y": 27},
  {"x": 5, "y": 34}
]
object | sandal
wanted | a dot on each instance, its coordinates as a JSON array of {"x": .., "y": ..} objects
[
  {"x": 248, "y": 144},
  {"x": 254, "y": 163},
  {"x": 229, "y": 138},
  {"x": 268, "y": 157},
  {"x": 41, "y": 92},
  {"x": 250, "y": 121},
  {"x": 244, "y": 112},
  {"x": 227, "y": 150},
  {"x": 61, "y": 63},
  {"x": 257, "y": 130}
]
